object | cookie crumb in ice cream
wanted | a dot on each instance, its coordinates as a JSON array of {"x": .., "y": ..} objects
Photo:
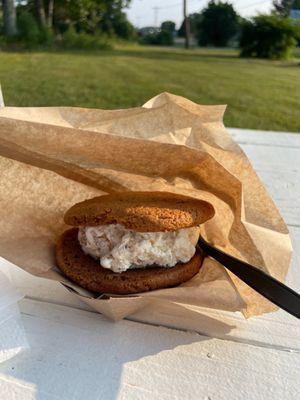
[{"x": 119, "y": 249}]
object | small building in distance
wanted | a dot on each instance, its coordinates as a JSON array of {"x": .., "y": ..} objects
[{"x": 148, "y": 30}]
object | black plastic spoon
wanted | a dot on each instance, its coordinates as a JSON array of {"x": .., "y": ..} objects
[{"x": 269, "y": 287}]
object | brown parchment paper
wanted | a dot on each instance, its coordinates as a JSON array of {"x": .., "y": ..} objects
[{"x": 51, "y": 158}]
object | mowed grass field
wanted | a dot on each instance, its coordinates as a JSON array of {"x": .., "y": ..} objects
[{"x": 259, "y": 94}]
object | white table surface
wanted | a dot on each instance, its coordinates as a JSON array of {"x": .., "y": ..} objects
[{"x": 77, "y": 354}]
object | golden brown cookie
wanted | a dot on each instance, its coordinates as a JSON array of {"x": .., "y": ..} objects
[
  {"x": 141, "y": 211},
  {"x": 88, "y": 273}
]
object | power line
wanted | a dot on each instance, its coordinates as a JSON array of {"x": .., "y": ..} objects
[
  {"x": 156, "y": 9},
  {"x": 254, "y": 4},
  {"x": 159, "y": 8},
  {"x": 171, "y": 6},
  {"x": 175, "y": 5}
]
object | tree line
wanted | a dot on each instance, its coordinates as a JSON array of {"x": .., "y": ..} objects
[
  {"x": 92, "y": 23},
  {"x": 219, "y": 25},
  {"x": 56, "y": 17}
]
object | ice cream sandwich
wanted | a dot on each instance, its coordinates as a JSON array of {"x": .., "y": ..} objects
[{"x": 132, "y": 242}]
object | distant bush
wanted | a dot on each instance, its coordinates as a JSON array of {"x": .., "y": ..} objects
[
  {"x": 3, "y": 43},
  {"x": 169, "y": 26},
  {"x": 31, "y": 36},
  {"x": 73, "y": 40},
  {"x": 161, "y": 38},
  {"x": 29, "y": 33},
  {"x": 268, "y": 36},
  {"x": 47, "y": 37},
  {"x": 28, "y": 29},
  {"x": 1, "y": 24}
]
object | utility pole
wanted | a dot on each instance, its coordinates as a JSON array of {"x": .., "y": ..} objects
[
  {"x": 156, "y": 9},
  {"x": 186, "y": 26}
]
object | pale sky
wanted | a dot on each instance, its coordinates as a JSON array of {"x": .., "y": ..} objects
[{"x": 141, "y": 12}]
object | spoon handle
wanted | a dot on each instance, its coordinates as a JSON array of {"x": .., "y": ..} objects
[{"x": 269, "y": 287}]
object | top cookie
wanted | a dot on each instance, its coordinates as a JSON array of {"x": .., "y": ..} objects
[{"x": 141, "y": 211}]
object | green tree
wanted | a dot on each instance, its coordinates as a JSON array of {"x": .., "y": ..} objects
[
  {"x": 91, "y": 16},
  {"x": 41, "y": 10},
  {"x": 283, "y": 7},
  {"x": 168, "y": 26},
  {"x": 194, "y": 21},
  {"x": 28, "y": 28},
  {"x": 218, "y": 24},
  {"x": 88, "y": 16},
  {"x": 113, "y": 20}
]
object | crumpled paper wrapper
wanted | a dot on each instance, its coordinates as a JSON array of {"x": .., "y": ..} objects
[{"x": 51, "y": 158}]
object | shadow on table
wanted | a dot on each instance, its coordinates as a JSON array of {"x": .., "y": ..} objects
[
  {"x": 77, "y": 355},
  {"x": 182, "y": 317}
]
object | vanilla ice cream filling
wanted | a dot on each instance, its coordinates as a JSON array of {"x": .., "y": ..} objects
[{"x": 119, "y": 249}]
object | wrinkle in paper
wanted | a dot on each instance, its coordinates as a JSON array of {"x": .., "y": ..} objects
[{"x": 51, "y": 158}]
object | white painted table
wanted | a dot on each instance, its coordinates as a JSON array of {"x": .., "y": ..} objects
[{"x": 77, "y": 354}]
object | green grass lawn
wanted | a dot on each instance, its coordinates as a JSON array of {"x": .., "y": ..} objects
[{"x": 259, "y": 94}]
